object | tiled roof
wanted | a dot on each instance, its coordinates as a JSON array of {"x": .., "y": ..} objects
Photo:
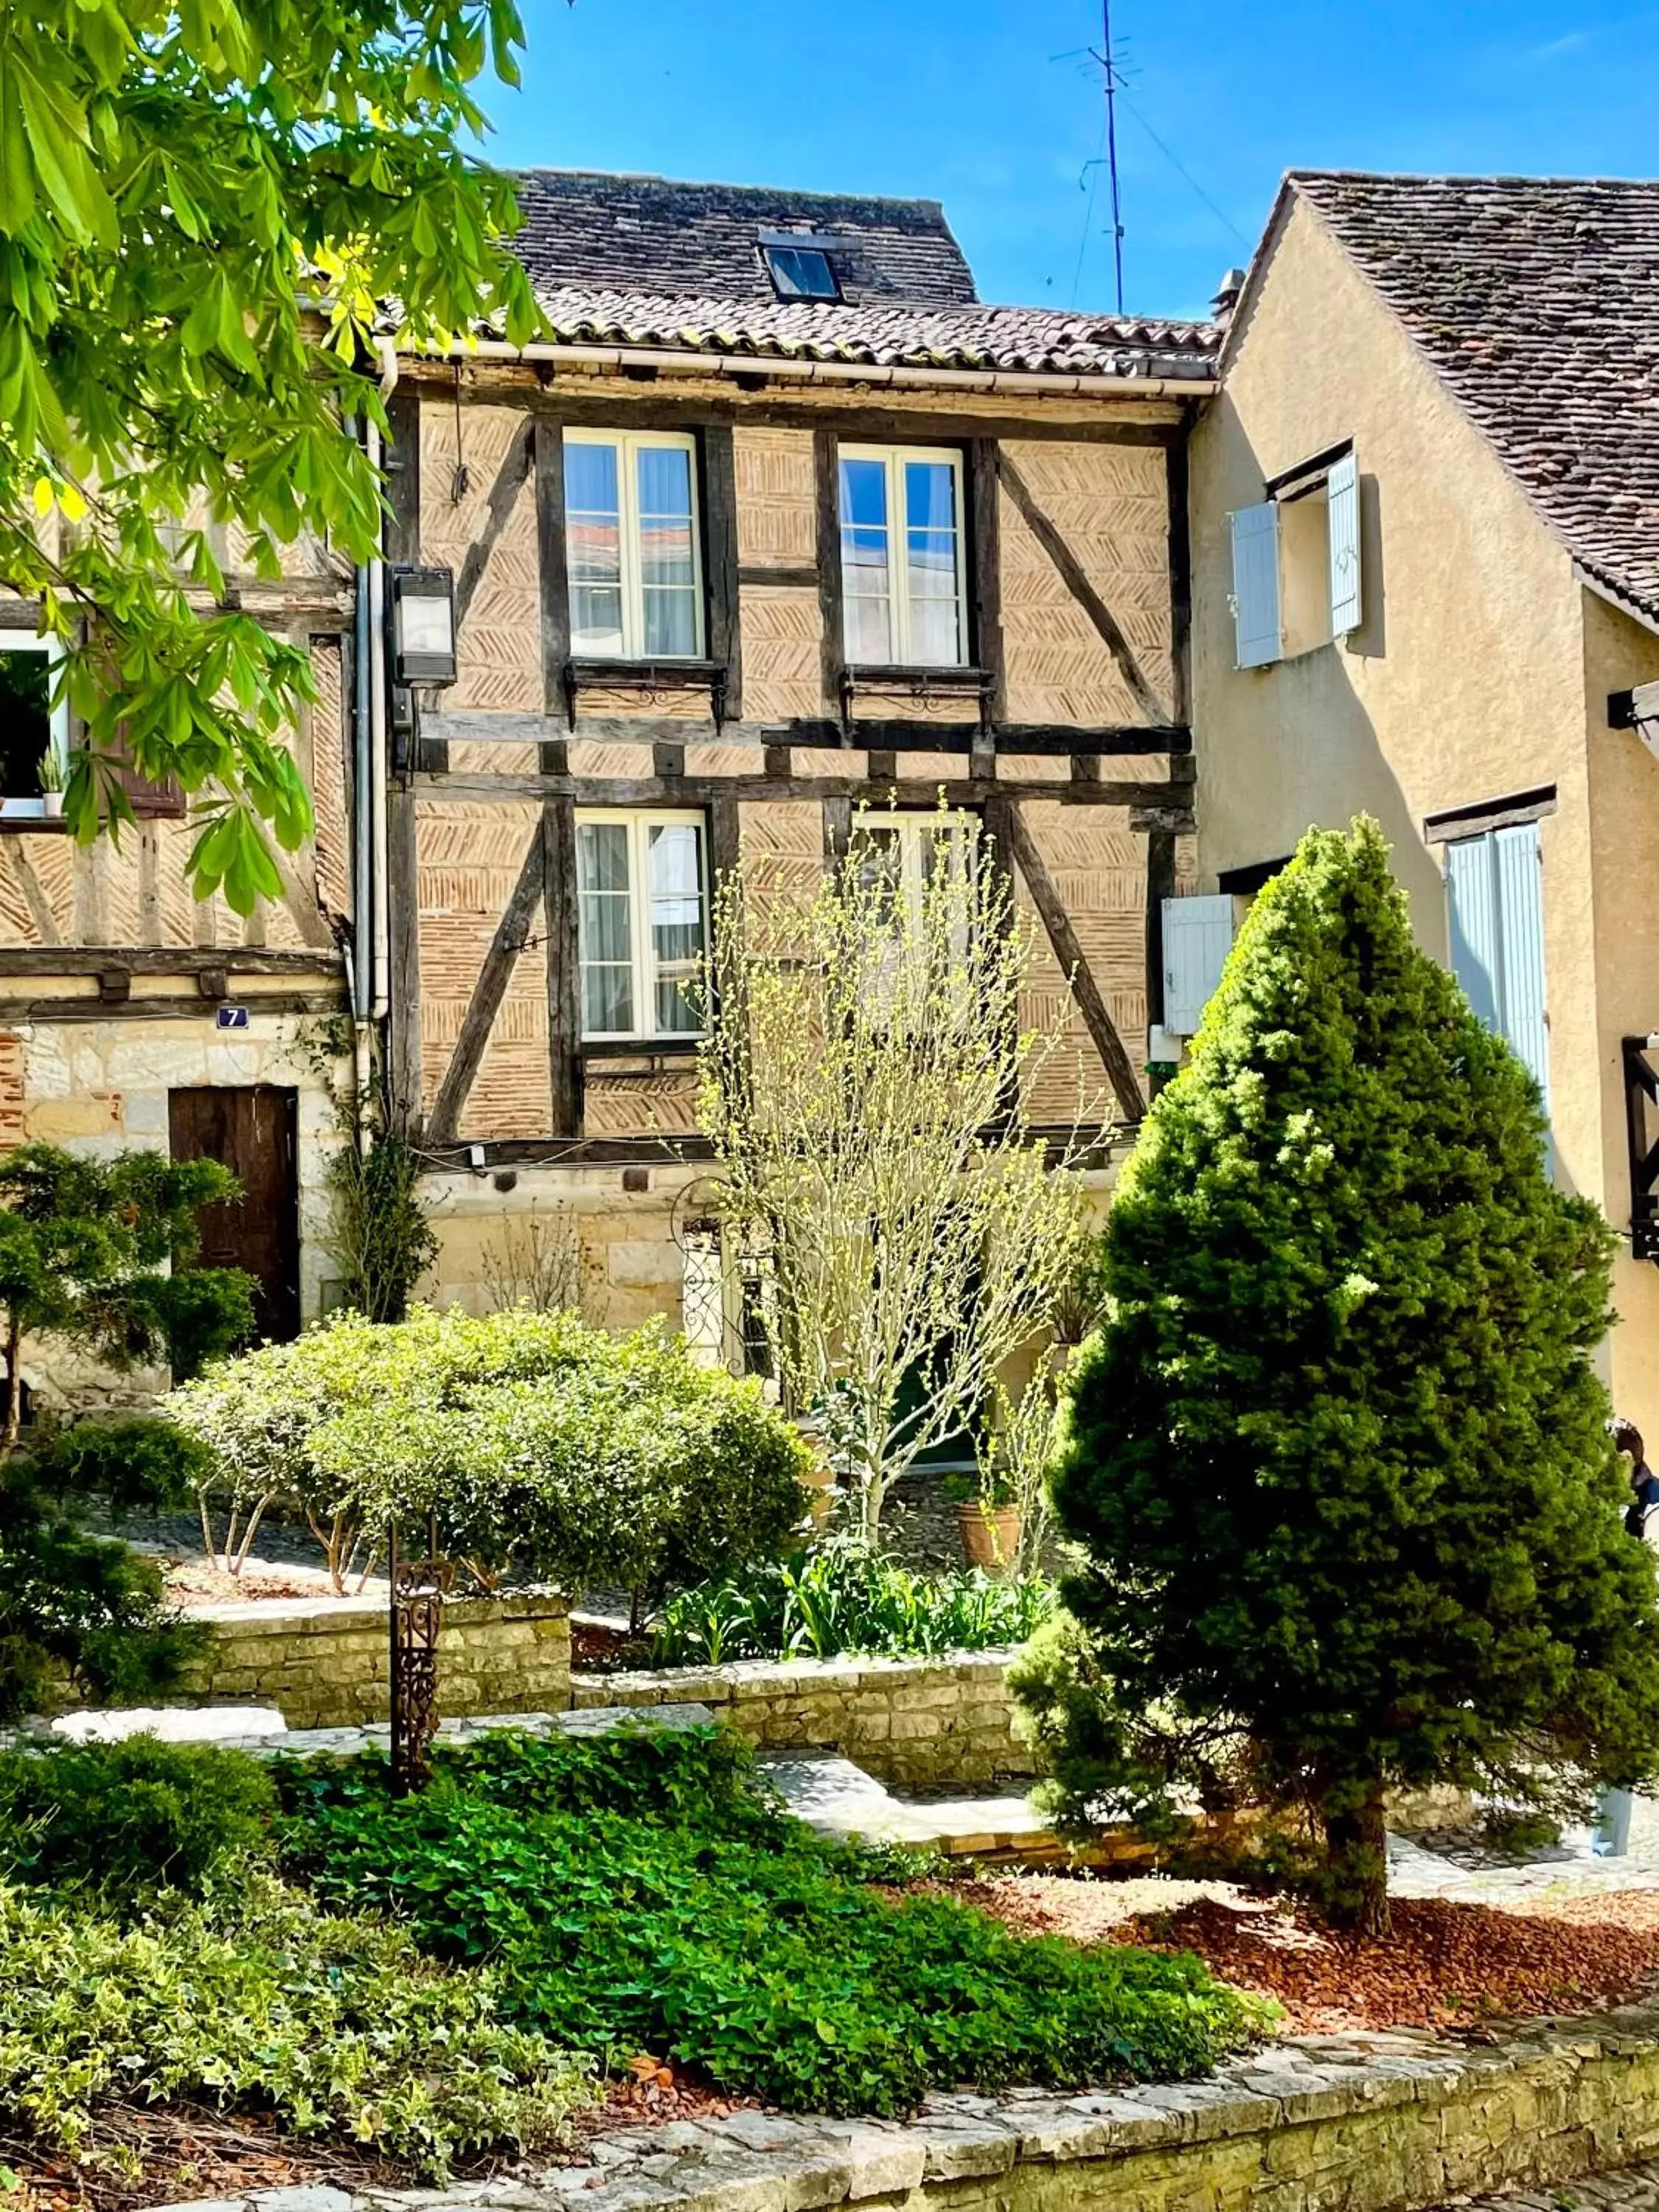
[
  {"x": 1536, "y": 299},
  {"x": 652, "y": 235},
  {"x": 643, "y": 262},
  {"x": 1023, "y": 339}
]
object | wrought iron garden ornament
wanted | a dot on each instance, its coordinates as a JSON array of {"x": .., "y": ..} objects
[{"x": 417, "y": 1590}]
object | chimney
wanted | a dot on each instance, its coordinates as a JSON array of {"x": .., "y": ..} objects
[{"x": 1226, "y": 295}]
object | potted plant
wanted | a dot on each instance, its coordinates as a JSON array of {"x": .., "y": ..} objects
[
  {"x": 51, "y": 773},
  {"x": 989, "y": 1520}
]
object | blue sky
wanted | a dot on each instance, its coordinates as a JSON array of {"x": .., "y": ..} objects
[{"x": 963, "y": 101}]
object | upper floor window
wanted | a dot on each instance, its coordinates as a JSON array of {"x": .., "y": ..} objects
[
  {"x": 631, "y": 501},
  {"x": 33, "y": 728},
  {"x": 901, "y": 556},
  {"x": 1296, "y": 561},
  {"x": 642, "y": 923}
]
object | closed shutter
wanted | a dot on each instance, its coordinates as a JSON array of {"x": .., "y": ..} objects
[
  {"x": 1198, "y": 935},
  {"x": 1342, "y": 490},
  {"x": 1471, "y": 897},
  {"x": 1495, "y": 892},
  {"x": 1255, "y": 585},
  {"x": 1521, "y": 932}
]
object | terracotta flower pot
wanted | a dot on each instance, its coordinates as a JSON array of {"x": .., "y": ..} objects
[{"x": 990, "y": 1535}]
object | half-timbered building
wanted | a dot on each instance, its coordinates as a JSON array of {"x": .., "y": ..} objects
[{"x": 779, "y": 528}]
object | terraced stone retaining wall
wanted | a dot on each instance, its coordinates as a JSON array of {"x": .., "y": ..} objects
[
  {"x": 913, "y": 1724},
  {"x": 324, "y": 1661},
  {"x": 1357, "y": 2124}
]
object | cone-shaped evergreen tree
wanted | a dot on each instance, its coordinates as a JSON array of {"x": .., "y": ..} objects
[{"x": 1338, "y": 1457}]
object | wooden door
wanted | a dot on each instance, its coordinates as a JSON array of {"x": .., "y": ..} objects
[{"x": 252, "y": 1132}]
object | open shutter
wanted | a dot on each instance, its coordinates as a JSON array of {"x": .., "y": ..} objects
[
  {"x": 1198, "y": 935},
  {"x": 1521, "y": 931},
  {"x": 1342, "y": 488},
  {"x": 1255, "y": 585}
]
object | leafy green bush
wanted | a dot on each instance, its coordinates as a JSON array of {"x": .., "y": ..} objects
[
  {"x": 78, "y": 1609},
  {"x": 135, "y": 1459},
  {"x": 256, "y": 1999},
  {"x": 127, "y": 1818},
  {"x": 841, "y": 1597},
  {"x": 544, "y": 1445},
  {"x": 651, "y": 1907}
]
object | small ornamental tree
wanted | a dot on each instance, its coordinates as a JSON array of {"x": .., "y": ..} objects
[
  {"x": 1338, "y": 1455},
  {"x": 866, "y": 1090},
  {"x": 97, "y": 1253},
  {"x": 543, "y": 1446}
]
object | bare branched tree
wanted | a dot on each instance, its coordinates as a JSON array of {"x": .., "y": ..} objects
[{"x": 865, "y": 1084}]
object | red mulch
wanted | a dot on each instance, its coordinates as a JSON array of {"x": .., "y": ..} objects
[{"x": 1445, "y": 1965}]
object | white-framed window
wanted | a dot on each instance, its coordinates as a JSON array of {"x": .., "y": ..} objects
[
  {"x": 902, "y": 853},
  {"x": 642, "y": 922},
  {"x": 1296, "y": 563},
  {"x": 903, "y": 592},
  {"x": 34, "y": 724},
  {"x": 631, "y": 550}
]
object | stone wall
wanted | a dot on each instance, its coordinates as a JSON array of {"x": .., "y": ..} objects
[
  {"x": 324, "y": 1661},
  {"x": 913, "y": 1724},
  {"x": 1360, "y": 2123}
]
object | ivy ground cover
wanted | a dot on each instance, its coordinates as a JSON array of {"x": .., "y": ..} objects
[{"x": 639, "y": 1892}]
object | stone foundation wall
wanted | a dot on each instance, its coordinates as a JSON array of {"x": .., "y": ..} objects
[
  {"x": 324, "y": 1661},
  {"x": 913, "y": 1724}
]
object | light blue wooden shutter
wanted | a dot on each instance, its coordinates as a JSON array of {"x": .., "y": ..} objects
[
  {"x": 1198, "y": 935},
  {"x": 1342, "y": 491},
  {"x": 1495, "y": 893},
  {"x": 1255, "y": 585},
  {"x": 1472, "y": 896},
  {"x": 1521, "y": 929}
]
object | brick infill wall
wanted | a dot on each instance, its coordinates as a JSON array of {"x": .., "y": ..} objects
[
  {"x": 913, "y": 1724},
  {"x": 324, "y": 1661}
]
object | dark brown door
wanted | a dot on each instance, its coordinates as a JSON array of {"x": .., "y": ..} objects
[{"x": 250, "y": 1132}]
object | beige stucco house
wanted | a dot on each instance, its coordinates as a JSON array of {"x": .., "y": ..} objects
[{"x": 1425, "y": 543}]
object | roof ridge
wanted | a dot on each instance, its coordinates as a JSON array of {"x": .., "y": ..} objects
[{"x": 725, "y": 185}]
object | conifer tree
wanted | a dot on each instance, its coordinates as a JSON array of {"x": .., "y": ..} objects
[{"x": 1339, "y": 1456}]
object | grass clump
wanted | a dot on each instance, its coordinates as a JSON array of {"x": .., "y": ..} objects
[{"x": 638, "y": 1892}]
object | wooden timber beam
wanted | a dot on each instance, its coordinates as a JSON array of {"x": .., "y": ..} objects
[
  {"x": 668, "y": 1151},
  {"x": 1171, "y": 805},
  {"x": 166, "y": 960},
  {"x": 106, "y": 1004},
  {"x": 1078, "y": 584},
  {"x": 512, "y": 931},
  {"x": 1055, "y": 740},
  {"x": 1004, "y": 821}
]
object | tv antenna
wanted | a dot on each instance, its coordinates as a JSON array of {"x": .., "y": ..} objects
[{"x": 1108, "y": 60}]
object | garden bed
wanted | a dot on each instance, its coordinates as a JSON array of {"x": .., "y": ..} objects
[{"x": 1447, "y": 1966}]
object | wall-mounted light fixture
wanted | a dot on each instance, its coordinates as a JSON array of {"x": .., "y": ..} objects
[{"x": 422, "y": 626}]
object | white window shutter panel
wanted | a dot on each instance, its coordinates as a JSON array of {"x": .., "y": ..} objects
[
  {"x": 1255, "y": 585},
  {"x": 1476, "y": 947},
  {"x": 1198, "y": 935},
  {"x": 1342, "y": 490},
  {"x": 1521, "y": 915}
]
